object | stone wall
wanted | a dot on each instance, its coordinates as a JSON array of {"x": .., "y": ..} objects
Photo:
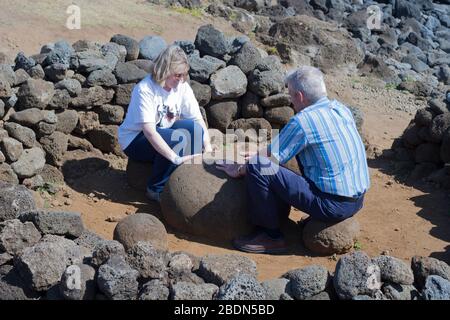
[
  {"x": 51, "y": 256},
  {"x": 73, "y": 97},
  {"x": 424, "y": 147}
]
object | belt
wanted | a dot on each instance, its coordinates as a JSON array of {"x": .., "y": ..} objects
[{"x": 342, "y": 198}]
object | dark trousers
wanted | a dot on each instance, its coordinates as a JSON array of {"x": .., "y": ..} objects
[
  {"x": 273, "y": 189},
  {"x": 187, "y": 141}
]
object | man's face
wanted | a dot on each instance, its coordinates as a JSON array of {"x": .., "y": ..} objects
[{"x": 297, "y": 99}]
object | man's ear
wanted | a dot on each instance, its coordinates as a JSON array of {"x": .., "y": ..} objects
[{"x": 300, "y": 96}]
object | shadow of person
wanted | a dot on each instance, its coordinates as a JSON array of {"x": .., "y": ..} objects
[
  {"x": 96, "y": 175},
  {"x": 220, "y": 220},
  {"x": 444, "y": 255},
  {"x": 434, "y": 208},
  {"x": 434, "y": 204}
]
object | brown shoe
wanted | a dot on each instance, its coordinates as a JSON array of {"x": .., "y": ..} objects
[{"x": 260, "y": 243}]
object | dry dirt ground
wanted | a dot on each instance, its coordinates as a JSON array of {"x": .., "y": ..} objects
[{"x": 398, "y": 219}]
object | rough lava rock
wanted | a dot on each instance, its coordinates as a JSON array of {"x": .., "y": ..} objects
[
  {"x": 356, "y": 275},
  {"x": 15, "y": 236},
  {"x": 218, "y": 269},
  {"x": 242, "y": 287},
  {"x": 14, "y": 200},
  {"x": 117, "y": 280},
  {"x": 394, "y": 270},
  {"x": 307, "y": 282},
  {"x": 68, "y": 224}
]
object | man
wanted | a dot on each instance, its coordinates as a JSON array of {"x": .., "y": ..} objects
[{"x": 322, "y": 135}]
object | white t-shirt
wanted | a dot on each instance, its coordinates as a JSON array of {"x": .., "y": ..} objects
[{"x": 150, "y": 103}]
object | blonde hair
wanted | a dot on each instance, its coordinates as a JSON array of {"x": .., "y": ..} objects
[{"x": 169, "y": 61}]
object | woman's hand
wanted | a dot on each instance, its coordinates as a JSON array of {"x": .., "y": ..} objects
[
  {"x": 234, "y": 170},
  {"x": 208, "y": 148},
  {"x": 180, "y": 160}
]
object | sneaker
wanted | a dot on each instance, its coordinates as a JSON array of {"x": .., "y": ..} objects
[
  {"x": 260, "y": 243},
  {"x": 154, "y": 196}
]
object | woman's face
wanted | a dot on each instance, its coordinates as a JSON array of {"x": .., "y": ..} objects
[{"x": 174, "y": 79}]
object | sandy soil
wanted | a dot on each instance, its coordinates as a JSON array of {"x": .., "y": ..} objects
[
  {"x": 31, "y": 24},
  {"x": 399, "y": 219}
]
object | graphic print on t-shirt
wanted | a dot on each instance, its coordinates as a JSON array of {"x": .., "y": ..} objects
[{"x": 167, "y": 115}]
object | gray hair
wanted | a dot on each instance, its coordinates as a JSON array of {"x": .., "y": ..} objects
[
  {"x": 171, "y": 60},
  {"x": 309, "y": 81}
]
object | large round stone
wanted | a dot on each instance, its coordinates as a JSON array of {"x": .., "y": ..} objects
[
  {"x": 330, "y": 238},
  {"x": 141, "y": 227},
  {"x": 138, "y": 174},
  {"x": 201, "y": 200}
]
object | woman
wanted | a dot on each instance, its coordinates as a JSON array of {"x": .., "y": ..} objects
[{"x": 161, "y": 105}]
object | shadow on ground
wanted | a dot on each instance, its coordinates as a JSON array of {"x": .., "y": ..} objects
[
  {"x": 434, "y": 204},
  {"x": 94, "y": 175}
]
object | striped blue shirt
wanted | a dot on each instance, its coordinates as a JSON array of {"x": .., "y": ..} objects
[{"x": 329, "y": 147}]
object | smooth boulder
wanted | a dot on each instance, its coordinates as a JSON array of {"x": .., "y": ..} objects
[
  {"x": 141, "y": 227},
  {"x": 327, "y": 238},
  {"x": 216, "y": 212}
]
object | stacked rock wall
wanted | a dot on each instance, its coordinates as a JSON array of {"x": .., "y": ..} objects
[
  {"x": 51, "y": 256},
  {"x": 73, "y": 97},
  {"x": 424, "y": 147},
  {"x": 406, "y": 43}
]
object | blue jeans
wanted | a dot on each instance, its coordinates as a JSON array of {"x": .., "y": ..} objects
[
  {"x": 140, "y": 149},
  {"x": 272, "y": 195}
]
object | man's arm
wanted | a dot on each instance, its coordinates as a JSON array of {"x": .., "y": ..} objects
[
  {"x": 288, "y": 143},
  {"x": 284, "y": 146}
]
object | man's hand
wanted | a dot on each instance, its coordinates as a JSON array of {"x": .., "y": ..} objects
[
  {"x": 248, "y": 154},
  {"x": 234, "y": 170}
]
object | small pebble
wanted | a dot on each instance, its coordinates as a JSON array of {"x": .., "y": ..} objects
[
  {"x": 334, "y": 257},
  {"x": 112, "y": 219}
]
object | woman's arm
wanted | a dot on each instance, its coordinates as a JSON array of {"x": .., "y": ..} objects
[
  {"x": 158, "y": 142},
  {"x": 161, "y": 146},
  {"x": 206, "y": 137}
]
